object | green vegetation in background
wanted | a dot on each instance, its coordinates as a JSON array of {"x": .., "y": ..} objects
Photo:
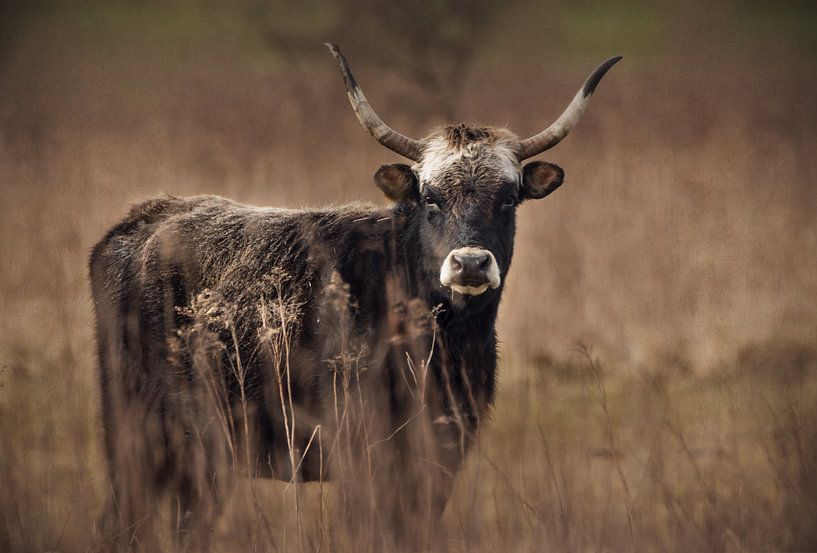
[
  {"x": 792, "y": 23},
  {"x": 628, "y": 27},
  {"x": 180, "y": 21},
  {"x": 639, "y": 27}
]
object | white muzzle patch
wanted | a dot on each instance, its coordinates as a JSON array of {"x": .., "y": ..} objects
[{"x": 450, "y": 273}]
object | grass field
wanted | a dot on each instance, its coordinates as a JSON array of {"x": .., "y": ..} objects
[{"x": 658, "y": 389}]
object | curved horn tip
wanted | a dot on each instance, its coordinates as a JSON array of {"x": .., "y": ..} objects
[
  {"x": 367, "y": 117},
  {"x": 596, "y": 76},
  {"x": 343, "y": 65},
  {"x": 333, "y": 48}
]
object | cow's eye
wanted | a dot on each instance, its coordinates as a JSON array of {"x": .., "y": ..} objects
[
  {"x": 432, "y": 206},
  {"x": 508, "y": 207}
]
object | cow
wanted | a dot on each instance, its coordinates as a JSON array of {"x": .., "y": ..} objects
[{"x": 262, "y": 338}]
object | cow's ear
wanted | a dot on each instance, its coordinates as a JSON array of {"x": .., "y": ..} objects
[
  {"x": 540, "y": 178},
  {"x": 397, "y": 181}
]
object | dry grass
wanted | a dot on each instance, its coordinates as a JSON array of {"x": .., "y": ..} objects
[{"x": 683, "y": 250}]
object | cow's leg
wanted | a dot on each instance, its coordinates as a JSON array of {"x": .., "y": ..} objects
[
  {"x": 193, "y": 514},
  {"x": 130, "y": 517},
  {"x": 196, "y": 505},
  {"x": 412, "y": 494},
  {"x": 201, "y": 478}
]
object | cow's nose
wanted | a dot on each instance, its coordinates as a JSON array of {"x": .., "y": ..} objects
[{"x": 471, "y": 269}]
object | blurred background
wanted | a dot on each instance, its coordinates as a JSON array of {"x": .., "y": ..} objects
[{"x": 659, "y": 326}]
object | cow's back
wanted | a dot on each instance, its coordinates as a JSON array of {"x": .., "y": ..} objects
[
  {"x": 148, "y": 271},
  {"x": 174, "y": 263}
]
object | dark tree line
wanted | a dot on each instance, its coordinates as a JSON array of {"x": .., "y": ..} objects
[{"x": 426, "y": 46}]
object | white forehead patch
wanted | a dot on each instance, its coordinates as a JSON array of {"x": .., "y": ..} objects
[{"x": 438, "y": 155}]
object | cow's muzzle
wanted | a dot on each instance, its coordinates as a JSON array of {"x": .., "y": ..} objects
[{"x": 470, "y": 271}]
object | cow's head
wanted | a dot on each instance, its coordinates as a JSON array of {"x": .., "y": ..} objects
[{"x": 467, "y": 182}]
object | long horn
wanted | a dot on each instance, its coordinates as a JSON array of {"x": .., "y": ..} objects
[
  {"x": 554, "y": 134},
  {"x": 372, "y": 122}
]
